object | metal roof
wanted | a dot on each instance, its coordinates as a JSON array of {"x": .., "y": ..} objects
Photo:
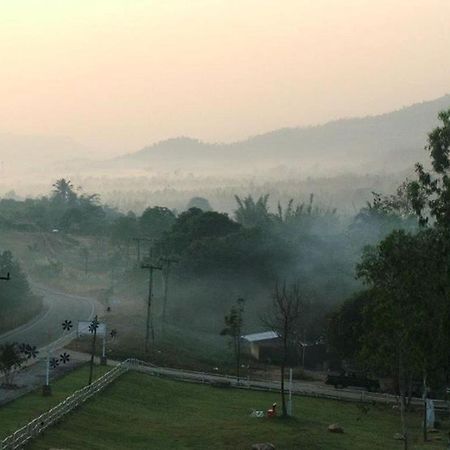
[{"x": 264, "y": 336}]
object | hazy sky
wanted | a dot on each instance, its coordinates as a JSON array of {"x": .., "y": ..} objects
[{"x": 117, "y": 75}]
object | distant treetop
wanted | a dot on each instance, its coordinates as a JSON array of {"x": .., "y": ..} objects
[{"x": 200, "y": 203}]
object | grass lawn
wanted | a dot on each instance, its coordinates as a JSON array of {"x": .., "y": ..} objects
[
  {"x": 139, "y": 411},
  {"x": 15, "y": 414}
]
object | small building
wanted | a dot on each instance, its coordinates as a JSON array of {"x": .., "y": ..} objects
[
  {"x": 264, "y": 346},
  {"x": 267, "y": 347}
]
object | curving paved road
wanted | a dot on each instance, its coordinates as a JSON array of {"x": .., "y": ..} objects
[{"x": 46, "y": 328}]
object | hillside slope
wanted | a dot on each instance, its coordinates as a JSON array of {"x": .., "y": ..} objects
[{"x": 393, "y": 140}]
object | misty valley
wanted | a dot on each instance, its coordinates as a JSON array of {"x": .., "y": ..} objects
[
  {"x": 224, "y": 225},
  {"x": 293, "y": 293}
]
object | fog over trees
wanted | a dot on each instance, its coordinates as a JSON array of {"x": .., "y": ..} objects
[
  {"x": 225, "y": 224},
  {"x": 370, "y": 281}
]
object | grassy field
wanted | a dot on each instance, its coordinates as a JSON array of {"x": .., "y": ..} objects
[
  {"x": 15, "y": 414},
  {"x": 143, "y": 412}
]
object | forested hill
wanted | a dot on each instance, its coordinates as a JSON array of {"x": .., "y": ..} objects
[{"x": 390, "y": 141}]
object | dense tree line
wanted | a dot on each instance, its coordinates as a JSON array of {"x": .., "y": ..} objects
[
  {"x": 400, "y": 325},
  {"x": 17, "y": 302},
  {"x": 218, "y": 254},
  {"x": 66, "y": 209}
]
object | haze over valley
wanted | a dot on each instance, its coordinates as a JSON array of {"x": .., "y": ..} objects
[
  {"x": 342, "y": 162},
  {"x": 225, "y": 225}
]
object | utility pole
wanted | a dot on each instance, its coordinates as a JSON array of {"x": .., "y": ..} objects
[
  {"x": 240, "y": 302},
  {"x": 138, "y": 243},
  {"x": 150, "y": 267},
  {"x": 7, "y": 278},
  {"x": 93, "y": 329},
  {"x": 167, "y": 262}
]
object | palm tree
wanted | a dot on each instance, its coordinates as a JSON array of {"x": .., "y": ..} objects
[
  {"x": 63, "y": 191},
  {"x": 251, "y": 213}
]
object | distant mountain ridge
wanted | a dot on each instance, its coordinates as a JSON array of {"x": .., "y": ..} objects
[{"x": 395, "y": 140}]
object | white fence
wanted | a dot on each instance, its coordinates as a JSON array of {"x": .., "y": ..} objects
[
  {"x": 298, "y": 388},
  {"x": 36, "y": 426}
]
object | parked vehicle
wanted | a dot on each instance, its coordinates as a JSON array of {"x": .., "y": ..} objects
[{"x": 353, "y": 379}]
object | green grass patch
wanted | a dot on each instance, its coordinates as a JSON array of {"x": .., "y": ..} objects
[
  {"x": 139, "y": 411},
  {"x": 179, "y": 347},
  {"x": 15, "y": 414}
]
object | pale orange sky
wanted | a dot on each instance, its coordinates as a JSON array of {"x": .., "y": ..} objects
[{"x": 117, "y": 75}]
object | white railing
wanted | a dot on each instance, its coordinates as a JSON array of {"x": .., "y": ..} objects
[
  {"x": 36, "y": 426},
  {"x": 19, "y": 438},
  {"x": 298, "y": 388}
]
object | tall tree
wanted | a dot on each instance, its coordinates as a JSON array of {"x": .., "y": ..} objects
[
  {"x": 18, "y": 303},
  {"x": 193, "y": 226},
  {"x": 429, "y": 197},
  {"x": 63, "y": 191},
  {"x": 284, "y": 319},
  {"x": 155, "y": 221},
  {"x": 251, "y": 213},
  {"x": 124, "y": 229},
  {"x": 10, "y": 360},
  {"x": 200, "y": 203},
  {"x": 347, "y": 325},
  {"x": 430, "y": 193},
  {"x": 233, "y": 328},
  {"x": 408, "y": 333}
]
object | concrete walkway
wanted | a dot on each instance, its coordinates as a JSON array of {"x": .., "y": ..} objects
[
  {"x": 32, "y": 376},
  {"x": 43, "y": 331}
]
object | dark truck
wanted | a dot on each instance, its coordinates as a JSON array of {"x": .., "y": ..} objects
[{"x": 353, "y": 379}]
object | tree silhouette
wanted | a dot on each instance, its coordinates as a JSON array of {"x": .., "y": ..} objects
[
  {"x": 284, "y": 319},
  {"x": 233, "y": 327}
]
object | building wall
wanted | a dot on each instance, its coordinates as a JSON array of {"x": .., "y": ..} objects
[{"x": 254, "y": 350}]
